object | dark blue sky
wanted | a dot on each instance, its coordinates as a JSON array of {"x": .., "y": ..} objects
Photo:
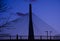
[{"x": 47, "y": 10}]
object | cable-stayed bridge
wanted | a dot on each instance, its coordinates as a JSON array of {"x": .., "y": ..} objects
[
  {"x": 21, "y": 24},
  {"x": 29, "y": 26}
]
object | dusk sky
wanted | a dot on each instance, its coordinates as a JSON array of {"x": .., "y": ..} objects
[{"x": 47, "y": 10}]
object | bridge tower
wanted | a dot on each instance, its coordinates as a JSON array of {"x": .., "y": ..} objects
[{"x": 31, "y": 31}]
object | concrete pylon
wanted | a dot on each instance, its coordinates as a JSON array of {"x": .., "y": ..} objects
[{"x": 31, "y": 31}]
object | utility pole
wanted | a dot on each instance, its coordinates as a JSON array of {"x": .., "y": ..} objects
[{"x": 31, "y": 32}]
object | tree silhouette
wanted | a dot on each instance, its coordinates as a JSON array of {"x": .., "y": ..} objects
[{"x": 3, "y": 6}]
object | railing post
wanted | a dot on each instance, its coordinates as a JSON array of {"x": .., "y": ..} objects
[
  {"x": 10, "y": 37},
  {"x": 41, "y": 37},
  {"x": 20, "y": 37},
  {"x": 17, "y": 37}
]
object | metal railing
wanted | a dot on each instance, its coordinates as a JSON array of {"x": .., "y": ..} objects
[{"x": 18, "y": 37}]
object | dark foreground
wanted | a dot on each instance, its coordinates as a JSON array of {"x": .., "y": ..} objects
[{"x": 25, "y": 40}]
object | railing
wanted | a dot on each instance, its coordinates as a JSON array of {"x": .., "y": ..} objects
[{"x": 17, "y": 37}]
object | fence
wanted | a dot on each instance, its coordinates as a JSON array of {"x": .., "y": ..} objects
[{"x": 17, "y": 37}]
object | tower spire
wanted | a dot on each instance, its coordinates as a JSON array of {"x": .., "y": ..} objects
[{"x": 31, "y": 32}]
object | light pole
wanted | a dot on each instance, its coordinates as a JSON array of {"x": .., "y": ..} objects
[
  {"x": 50, "y": 34},
  {"x": 47, "y": 34}
]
